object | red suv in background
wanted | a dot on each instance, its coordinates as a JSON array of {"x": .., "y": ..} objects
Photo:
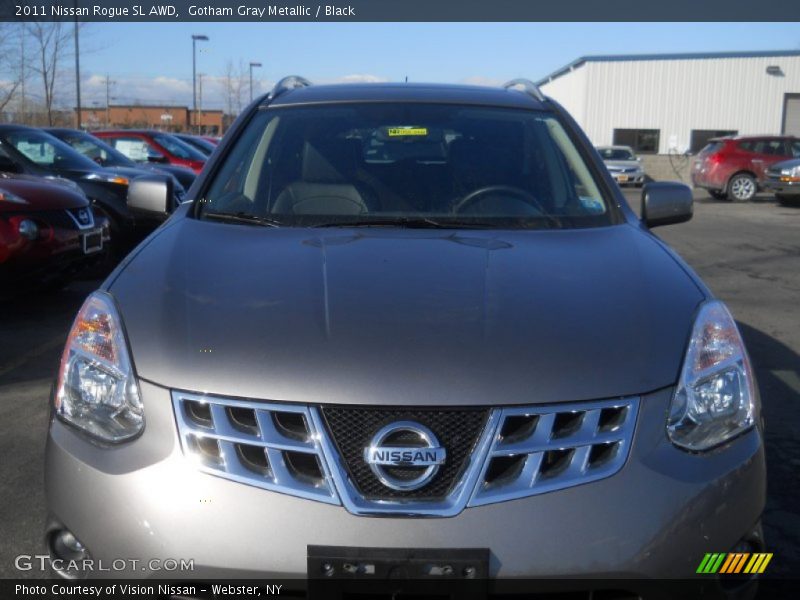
[
  {"x": 734, "y": 167},
  {"x": 154, "y": 146}
]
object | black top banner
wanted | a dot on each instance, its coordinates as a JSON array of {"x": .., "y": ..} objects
[{"x": 397, "y": 10}]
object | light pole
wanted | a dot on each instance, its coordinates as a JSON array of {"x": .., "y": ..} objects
[
  {"x": 195, "y": 39},
  {"x": 252, "y": 64},
  {"x": 77, "y": 71}
]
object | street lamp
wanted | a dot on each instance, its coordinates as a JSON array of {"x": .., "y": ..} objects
[
  {"x": 252, "y": 64},
  {"x": 195, "y": 39}
]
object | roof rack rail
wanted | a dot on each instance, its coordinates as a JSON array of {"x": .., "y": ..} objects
[
  {"x": 528, "y": 86},
  {"x": 287, "y": 83}
]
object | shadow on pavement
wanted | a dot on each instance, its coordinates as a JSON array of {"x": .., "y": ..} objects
[{"x": 778, "y": 374}]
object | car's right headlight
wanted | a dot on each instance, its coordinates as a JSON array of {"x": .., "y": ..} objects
[
  {"x": 96, "y": 389},
  {"x": 715, "y": 399},
  {"x": 792, "y": 174}
]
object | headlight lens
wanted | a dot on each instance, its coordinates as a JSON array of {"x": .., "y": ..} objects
[
  {"x": 715, "y": 398},
  {"x": 96, "y": 389}
]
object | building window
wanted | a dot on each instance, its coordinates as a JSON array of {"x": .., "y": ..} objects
[
  {"x": 643, "y": 141},
  {"x": 699, "y": 137}
]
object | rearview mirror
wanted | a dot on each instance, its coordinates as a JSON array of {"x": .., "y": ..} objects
[
  {"x": 665, "y": 203},
  {"x": 156, "y": 157},
  {"x": 150, "y": 196}
]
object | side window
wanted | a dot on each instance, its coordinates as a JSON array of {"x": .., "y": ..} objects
[
  {"x": 794, "y": 148},
  {"x": 134, "y": 148},
  {"x": 89, "y": 150},
  {"x": 773, "y": 148},
  {"x": 748, "y": 146}
]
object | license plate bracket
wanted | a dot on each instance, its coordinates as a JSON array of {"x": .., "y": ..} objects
[
  {"x": 92, "y": 242},
  {"x": 336, "y": 571}
]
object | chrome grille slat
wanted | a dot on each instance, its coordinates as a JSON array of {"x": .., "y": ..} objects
[
  {"x": 229, "y": 465},
  {"x": 528, "y": 447}
]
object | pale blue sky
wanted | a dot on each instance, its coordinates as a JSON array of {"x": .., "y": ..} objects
[{"x": 152, "y": 62}]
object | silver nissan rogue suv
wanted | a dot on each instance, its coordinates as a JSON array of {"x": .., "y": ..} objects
[{"x": 402, "y": 316}]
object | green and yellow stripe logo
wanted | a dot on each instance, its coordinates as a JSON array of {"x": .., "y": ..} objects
[{"x": 734, "y": 562}]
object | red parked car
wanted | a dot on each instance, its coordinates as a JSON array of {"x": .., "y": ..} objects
[
  {"x": 145, "y": 145},
  {"x": 48, "y": 233},
  {"x": 735, "y": 167}
]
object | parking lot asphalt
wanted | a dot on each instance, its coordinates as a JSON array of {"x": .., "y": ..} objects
[{"x": 748, "y": 254}]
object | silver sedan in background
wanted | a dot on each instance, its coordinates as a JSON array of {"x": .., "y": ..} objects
[{"x": 623, "y": 164}]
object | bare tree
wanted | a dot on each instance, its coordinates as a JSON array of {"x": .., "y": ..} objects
[
  {"x": 51, "y": 49},
  {"x": 11, "y": 70}
]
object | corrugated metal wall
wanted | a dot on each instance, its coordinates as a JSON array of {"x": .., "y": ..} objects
[
  {"x": 676, "y": 96},
  {"x": 570, "y": 90}
]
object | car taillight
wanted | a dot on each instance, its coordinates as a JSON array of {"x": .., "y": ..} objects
[{"x": 714, "y": 159}]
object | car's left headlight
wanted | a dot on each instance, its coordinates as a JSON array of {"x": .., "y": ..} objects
[
  {"x": 107, "y": 177},
  {"x": 96, "y": 389},
  {"x": 715, "y": 399}
]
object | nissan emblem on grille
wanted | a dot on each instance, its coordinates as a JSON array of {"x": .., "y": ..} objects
[
  {"x": 404, "y": 455},
  {"x": 83, "y": 216}
]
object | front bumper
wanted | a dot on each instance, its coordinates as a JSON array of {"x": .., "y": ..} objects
[
  {"x": 783, "y": 188},
  {"x": 636, "y": 178},
  {"x": 655, "y": 518}
]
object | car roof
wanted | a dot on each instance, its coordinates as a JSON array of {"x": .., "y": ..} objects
[
  {"x": 407, "y": 92},
  {"x": 62, "y": 130},
  {"x": 134, "y": 131},
  {"x": 740, "y": 138},
  {"x": 15, "y": 127}
]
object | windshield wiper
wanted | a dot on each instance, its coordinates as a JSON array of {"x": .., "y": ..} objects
[
  {"x": 241, "y": 217},
  {"x": 409, "y": 222}
]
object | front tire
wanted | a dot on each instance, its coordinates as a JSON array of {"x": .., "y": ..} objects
[{"x": 742, "y": 188}]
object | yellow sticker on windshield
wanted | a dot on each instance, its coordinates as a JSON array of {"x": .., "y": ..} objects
[{"x": 401, "y": 131}]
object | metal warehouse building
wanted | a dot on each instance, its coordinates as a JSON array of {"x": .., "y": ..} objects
[{"x": 672, "y": 103}]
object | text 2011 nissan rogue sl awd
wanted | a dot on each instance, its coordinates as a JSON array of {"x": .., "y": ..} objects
[{"x": 406, "y": 317}]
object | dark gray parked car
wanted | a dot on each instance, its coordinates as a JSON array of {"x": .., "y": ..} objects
[
  {"x": 783, "y": 179},
  {"x": 428, "y": 304}
]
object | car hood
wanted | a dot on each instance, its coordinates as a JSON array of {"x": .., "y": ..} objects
[
  {"x": 394, "y": 316},
  {"x": 38, "y": 194},
  {"x": 626, "y": 164},
  {"x": 785, "y": 164}
]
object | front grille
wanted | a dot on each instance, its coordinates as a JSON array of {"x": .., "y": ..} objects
[
  {"x": 352, "y": 428},
  {"x": 541, "y": 449},
  {"x": 493, "y": 454},
  {"x": 273, "y": 446}
]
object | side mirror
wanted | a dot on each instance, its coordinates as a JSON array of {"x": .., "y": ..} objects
[
  {"x": 8, "y": 166},
  {"x": 150, "y": 196},
  {"x": 665, "y": 203}
]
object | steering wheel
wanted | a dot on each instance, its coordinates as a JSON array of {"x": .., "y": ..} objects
[{"x": 516, "y": 193}]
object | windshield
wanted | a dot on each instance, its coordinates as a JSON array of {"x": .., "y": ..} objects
[
  {"x": 178, "y": 148},
  {"x": 47, "y": 151},
  {"x": 199, "y": 143},
  {"x": 616, "y": 154},
  {"x": 98, "y": 151},
  {"x": 403, "y": 164}
]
